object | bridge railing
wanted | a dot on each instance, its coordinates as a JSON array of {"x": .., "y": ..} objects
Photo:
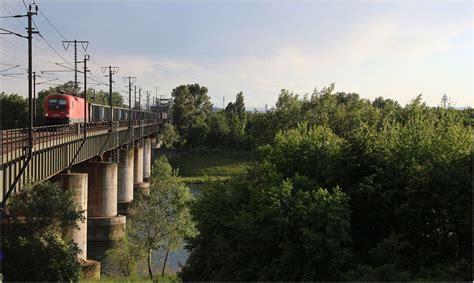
[{"x": 55, "y": 147}]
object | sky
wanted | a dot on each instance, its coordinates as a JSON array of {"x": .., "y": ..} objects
[{"x": 395, "y": 49}]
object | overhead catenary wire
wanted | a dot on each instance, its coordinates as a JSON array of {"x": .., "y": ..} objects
[
  {"x": 64, "y": 38},
  {"x": 47, "y": 41},
  {"x": 52, "y": 25},
  {"x": 52, "y": 48},
  {"x": 10, "y": 13}
]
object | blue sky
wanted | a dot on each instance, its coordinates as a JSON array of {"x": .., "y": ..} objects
[{"x": 395, "y": 49}]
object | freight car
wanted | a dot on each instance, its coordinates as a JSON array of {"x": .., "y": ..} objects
[{"x": 68, "y": 109}]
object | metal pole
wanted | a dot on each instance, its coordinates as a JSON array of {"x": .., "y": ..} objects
[
  {"x": 129, "y": 102},
  {"x": 30, "y": 79},
  {"x": 110, "y": 98},
  {"x": 66, "y": 46},
  {"x": 86, "y": 57},
  {"x": 34, "y": 98},
  {"x": 139, "y": 99},
  {"x": 75, "y": 66},
  {"x": 135, "y": 97}
]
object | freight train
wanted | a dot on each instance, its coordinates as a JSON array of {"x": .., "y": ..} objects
[{"x": 69, "y": 109}]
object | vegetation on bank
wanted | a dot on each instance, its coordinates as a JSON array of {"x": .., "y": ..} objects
[
  {"x": 343, "y": 189},
  {"x": 200, "y": 166}
]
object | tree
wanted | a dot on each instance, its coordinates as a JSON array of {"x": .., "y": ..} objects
[
  {"x": 169, "y": 136},
  {"x": 14, "y": 111},
  {"x": 267, "y": 228},
  {"x": 218, "y": 130},
  {"x": 101, "y": 97},
  {"x": 38, "y": 219},
  {"x": 161, "y": 219},
  {"x": 191, "y": 106},
  {"x": 126, "y": 253},
  {"x": 237, "y": 120}
]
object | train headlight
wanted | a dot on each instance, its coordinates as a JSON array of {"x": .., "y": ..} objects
[{"x": 46, "y": 115}]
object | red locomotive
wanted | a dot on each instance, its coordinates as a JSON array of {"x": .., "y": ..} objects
[
  {"x": 69, "y": 109},
  {"x": 64, "y": 109}
]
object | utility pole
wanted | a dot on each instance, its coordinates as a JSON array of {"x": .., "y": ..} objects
[
  {"x": 130, "y": 98},
  {"x": 139, "y": 99},
  {"x": 147, "y": 99},
  {"x": 444, "y": 100},
  {"x": 223, "y": 102},
  {"x": 135, "y": 97},
  {"x": 84, "y": 44},
  {"x": 86, "y": 57},
  {"x": 30, "y": 73},
  {"x": 34, "y": 98},
  {"x": 112, "y": 71},
  {"x": 29, "y": 36}
]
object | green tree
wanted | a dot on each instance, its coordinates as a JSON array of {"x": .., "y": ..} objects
[
  {"x": 101, "y": 97},
  {"x": 237, "y": 120},
  {"x": 285, "y": 115},
  {"x": 38, "y": 219},
  {"x": 191, "y": 106},
  {"x": 267, "y": 228},
  {"x": 169, "y": 136},
  {"x": 14, "y": 111},
  {"x": 161, "y": 219},
  {"x": 218, "y": 130},
  {"x": 125, "y": 253}
]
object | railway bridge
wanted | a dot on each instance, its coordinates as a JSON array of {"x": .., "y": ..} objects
[{"x": 102, "y": 162}]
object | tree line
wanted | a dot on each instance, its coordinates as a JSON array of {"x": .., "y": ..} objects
[
  {"x": 195, "y": 122},
  {"x": 342, "y": 188}
]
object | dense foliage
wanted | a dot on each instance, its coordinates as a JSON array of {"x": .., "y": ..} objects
[
  {"x": 14, "y": 111},
  {"x": 36, "y": 244},
  {"x": 343, "y": 189},
  {"x": 198, "y": 125}
]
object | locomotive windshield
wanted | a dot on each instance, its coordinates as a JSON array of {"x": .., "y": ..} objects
[{"x": 57, "y": 104}]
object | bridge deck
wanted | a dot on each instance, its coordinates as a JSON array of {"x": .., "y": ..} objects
[{"x": 54, "y": 148}]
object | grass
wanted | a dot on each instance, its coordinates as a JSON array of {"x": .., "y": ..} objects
[
  {"x": 198, "y": 167},
  {"x": 134, "y": 278}
]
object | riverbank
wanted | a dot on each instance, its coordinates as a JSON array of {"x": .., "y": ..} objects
[{"x": 199, "y": 165}]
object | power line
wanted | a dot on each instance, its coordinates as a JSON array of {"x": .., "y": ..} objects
[
  {"x": 4, "y": 17},
  {"x": 66, "y": 44},
  {"x": 54, "y": 50},
  {"x": 11, "y": 13},
  {"x": 51, "y": 24}
]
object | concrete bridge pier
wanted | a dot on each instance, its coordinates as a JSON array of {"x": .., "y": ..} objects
[
  {"x": 125, "y": 180},
  {"x": 139, "y": 185},
  {"x": 77, "y": 182},
  {"x": 146, "y": 160},
  {"x": 103, "y": 223}
]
